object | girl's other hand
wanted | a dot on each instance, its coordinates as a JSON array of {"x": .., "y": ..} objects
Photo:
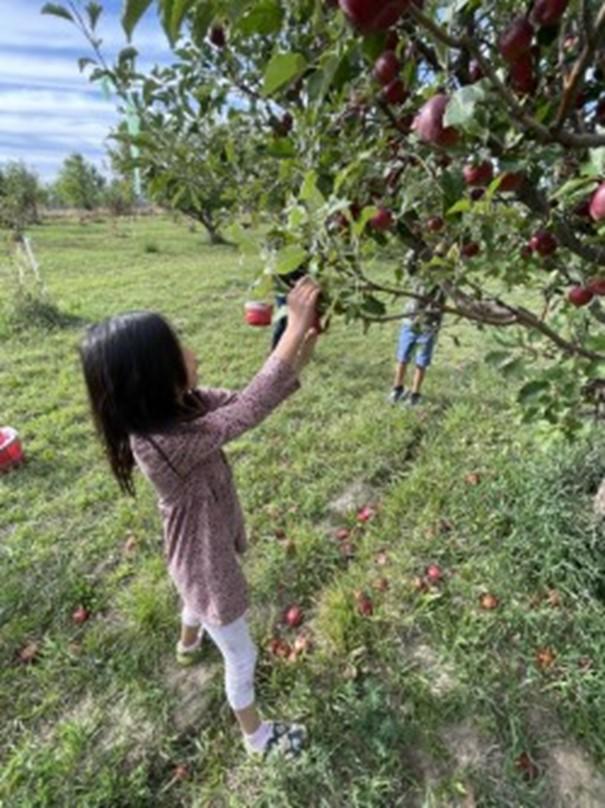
[{"x": 302, "y": 305}]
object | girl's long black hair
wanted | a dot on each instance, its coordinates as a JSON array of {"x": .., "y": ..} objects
[{"x": 136, "y": 379}]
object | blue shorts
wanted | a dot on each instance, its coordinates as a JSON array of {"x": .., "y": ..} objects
[{"x": 422, "y": 342}]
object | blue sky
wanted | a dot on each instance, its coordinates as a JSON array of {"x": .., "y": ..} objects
[{"x": 47, "y": 108}]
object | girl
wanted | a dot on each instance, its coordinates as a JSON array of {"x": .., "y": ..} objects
[{"x": 147, "y": 410}]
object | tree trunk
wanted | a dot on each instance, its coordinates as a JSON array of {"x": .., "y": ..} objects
[{"x": 216, "y": 239}]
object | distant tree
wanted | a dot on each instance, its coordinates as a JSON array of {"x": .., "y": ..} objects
[
  {"x": 119, "y": 197},
  {"x": 20, "y": 197},
  {"x": 79, "y": 184}
]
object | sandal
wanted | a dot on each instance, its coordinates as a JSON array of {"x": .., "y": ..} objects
[
  {"x": 189, "y": 655},
  {"x": 287, "y": 740}
]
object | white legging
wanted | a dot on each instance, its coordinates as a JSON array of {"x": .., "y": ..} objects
[{"x": 239, "y": 653}]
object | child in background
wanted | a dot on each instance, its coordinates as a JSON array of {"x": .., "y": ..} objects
[
  {"x": 418, "y": 337},
  {"x": 148, "y": 411}
]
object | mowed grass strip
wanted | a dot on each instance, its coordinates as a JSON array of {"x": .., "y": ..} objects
[{"x": 434, "y": 698}]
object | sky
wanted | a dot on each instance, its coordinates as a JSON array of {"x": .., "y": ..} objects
[{"x": 48, "y": 109}]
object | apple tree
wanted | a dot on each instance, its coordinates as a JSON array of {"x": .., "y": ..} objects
[{"x": 463, "y": 140}]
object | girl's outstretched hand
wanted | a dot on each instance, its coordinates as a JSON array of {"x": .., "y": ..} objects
[{"x": 302, "y": 305}]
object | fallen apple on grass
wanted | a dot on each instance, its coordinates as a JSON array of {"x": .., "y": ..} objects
[
  {"x": 489, "y": 602},
  {"x": 433, "y": 574},
  {"x": 28, "y": 653},
  {"x": 366, "y": 513},
  {"x": 80, "y": 615},
  {"x": 545, "y": 658},
  {"x": 293, "y": 616},
  {"x": 364, "y": 604},
  {"x": 342, "y": 533}
]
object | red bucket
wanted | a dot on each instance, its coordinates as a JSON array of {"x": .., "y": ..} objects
[
  {"x": 11, "y": 450},
  {"x": 258, "y": 314}
]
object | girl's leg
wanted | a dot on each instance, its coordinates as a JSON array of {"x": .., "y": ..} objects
[
  {"x": 240, "y": 655},
  {"x": 191, "y": 629}
]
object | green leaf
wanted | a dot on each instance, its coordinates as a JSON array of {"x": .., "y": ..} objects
[
  {"x": 84, "y": 62},
  {"x": 57, "y": 10},
  {"x": 461, "y": 108},
  {"x": 532, "y": 390},
  {"x": 597, "y": 161},
  {"x": 289, "y": 259},
  {"x": 126, "y": 54},
  {"x": 570, "y": 186},
  {"x": 309, "y": 191},
  {"x": 178, "y": 10},
  {"x": 461, "y": 206},
  {"x": 264, "y": 18},
  {"x": 94, "y": 12},
  {"x": 283, "y": 69},
  {"x": 132, "y": 13}
]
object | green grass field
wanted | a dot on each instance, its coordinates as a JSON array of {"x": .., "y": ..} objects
[{"x": 431, "y": 701}]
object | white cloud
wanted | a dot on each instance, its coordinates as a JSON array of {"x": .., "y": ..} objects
[{"x": 48, "y": 109}]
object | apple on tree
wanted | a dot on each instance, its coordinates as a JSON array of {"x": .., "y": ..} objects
[
  {"x": 544, "y": 243},
  {"x": 478, "y": 174},
  {"x": 386, "y": 67},
  {"x": 373, "y": 15},
  {"x": 428, "y": 124},
  {"x": 516, "y": 39},
  {"x": 579, "y": 296},
  {"x": 597, "y": 204}
]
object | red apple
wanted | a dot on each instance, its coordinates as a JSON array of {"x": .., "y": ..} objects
[
  {"x": 373, "y": 15},
  {"x": 477, "y": 194},
  {"x": 302, "y": 643},
  {"x": 548, "y": 12},
  {"x": 478, "y": 174},
  {"x": 527, "y": 767},
  {"x": 364, "y": 603},
  {"x": 511, "y": 181},
  {"x": 428, "y": 123},
  {"x": 597, "y": 204},
  {"x": 597, "y": 286},
  {"x": 28, "y": 653},
  {"x": 516, "y": 40},
  {"x": 342, "y": 534},
  {"x": 470, "y": 249},
  {"x": 395, "y": 92},
  {"x": 366, "y": 513},
  {"x": 80, "y": 615},
  {"x": 544, "y": 243},
  {"x": 382, "y": 221},
  {"x": 217, "y": 36},
  {"x": 523, "y": 77},
  {"x": 579, "y": 296},
  {"x": 387, "y": 67},
  {"x": 279, "y": 647},
  {"x": 293, "y": 616},
  {"x": 180, "y": 772},
  {"x": 435, "y": 224},
  {"x": 489, "y": 601},
  {"x": 433, "y": 573}
]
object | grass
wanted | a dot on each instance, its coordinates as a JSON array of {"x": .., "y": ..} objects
[{"x": 431, "y": 701}]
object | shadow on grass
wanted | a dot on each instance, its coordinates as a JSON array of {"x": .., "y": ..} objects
[{"x": 30, "y": 312}]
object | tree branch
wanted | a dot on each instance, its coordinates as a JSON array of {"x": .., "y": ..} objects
[
  {"x": 576, "y": 79},
  {"x": 542, "y": 133}
]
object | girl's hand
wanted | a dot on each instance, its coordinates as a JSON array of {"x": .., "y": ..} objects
[{"x": 302, "y": 305}]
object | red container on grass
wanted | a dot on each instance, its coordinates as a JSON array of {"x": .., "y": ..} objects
[
  {"x": 258, "y": 314},
  {"x": 11, "y": 450}
]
